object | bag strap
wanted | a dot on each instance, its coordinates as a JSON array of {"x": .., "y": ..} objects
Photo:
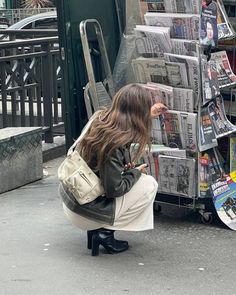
[{"x": 85, "y": 129}]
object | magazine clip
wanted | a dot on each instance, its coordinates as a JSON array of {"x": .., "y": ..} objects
[{"x": 207, "y": 52}]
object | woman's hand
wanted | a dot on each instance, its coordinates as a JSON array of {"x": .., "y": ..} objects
[
  {"x": 157, "y": 109},
  {"x": 129, "y": 166},
  {"x": 142, "y": 168}
]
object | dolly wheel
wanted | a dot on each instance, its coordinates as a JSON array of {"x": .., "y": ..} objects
[
  {"x": 157, "y": 208},
  {"x": 207, "y": 218}
]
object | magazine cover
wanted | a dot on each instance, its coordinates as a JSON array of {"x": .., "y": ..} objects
[
  {"x": 211, "y": 169},
  {"x": 224, "y": 199},
  {"x": 221, "y": 124},
  {"x": 219, "y": 60},
  {"x": 232, "y": 153},
  {"x": 208, "y": 24},
  {"x": 225, "y": 29},
  {"x": 207, "y": 136}
]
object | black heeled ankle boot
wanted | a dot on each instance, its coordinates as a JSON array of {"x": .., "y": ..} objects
[{"x": 105, "y": 237}]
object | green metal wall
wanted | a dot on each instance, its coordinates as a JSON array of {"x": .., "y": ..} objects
[{"x": 70, "y": 14}]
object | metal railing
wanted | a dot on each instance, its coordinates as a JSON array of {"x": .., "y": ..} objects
[
  {"x": 14, "y": 15},
  {"x": 30, "y": 85}
]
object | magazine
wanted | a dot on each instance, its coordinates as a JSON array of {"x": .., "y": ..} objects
[
  {"x": 184, "y": 47},
  {"x": 182, "y": 26},
  {"x": 208, "y": 24},
  {"x": 222, "y": 126},
  {"x": 232, "y": 153},
  {"x": 219, "y": 60},
  {"x": 210, "y": 170},
  {"x": 207, "y": 136},
  {"x": 225, "y": 29},
  {"x": 177, "y": 176},
  {"x": 152, "y": 41},
  {"x": 224, "y": 192}
]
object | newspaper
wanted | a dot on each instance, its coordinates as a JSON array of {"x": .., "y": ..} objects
[
  {"x": 161, "y": 93},
  {"x": 160, "y": 71},
  {"x": 184, "y": 47},
  {"x": 219, "y": 60},
  {"x": 207, "y": 136},
  {"x": 222, "y": 126},
  {"x": 176, "y": 130},
  {"x": 189, "y": 130},
  {"x": 193, "y": 71},
  {"x": 149, "y": 70},
  {"x": 177, "y": 176},
  {"x": 210, "y": 83},
  {"x": 180, "y": 6},
  {"x": 151, "y": 157},
  {"x": 157, "y": 134},
  {"x": 151, "y": 6},
  {"x": 182, "y": 26},
  {"x": 179, "y": 99},
  {"x": 152, "y": 41},
  {"x": 183, "y": 99},
  {"x": 183, "y": 6},
  {"x": 177, "y": 74}
]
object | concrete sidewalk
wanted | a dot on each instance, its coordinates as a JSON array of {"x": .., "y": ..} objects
[{"x": 41, "y": 253}]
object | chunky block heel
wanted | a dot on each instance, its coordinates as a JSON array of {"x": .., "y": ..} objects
[
  {"x": 105, "y": 237},
  {"x": 90, "y": 234},
  {"x": 95, "y": 247}
]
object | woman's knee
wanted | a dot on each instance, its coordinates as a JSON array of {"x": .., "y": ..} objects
[{"x": 151, "y": 185}]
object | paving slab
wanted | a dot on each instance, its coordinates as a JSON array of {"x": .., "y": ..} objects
[{"x": 41, "y": 253}]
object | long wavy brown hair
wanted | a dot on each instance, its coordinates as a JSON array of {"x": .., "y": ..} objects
[{"x": 127, "y": 121}]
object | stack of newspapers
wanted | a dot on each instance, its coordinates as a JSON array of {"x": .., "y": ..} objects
[
  {"x": 167, "y": 63},
  {"x": 170, "y": 62}
]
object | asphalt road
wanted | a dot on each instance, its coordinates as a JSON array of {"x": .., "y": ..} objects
[{"x": 41, "y": 253}]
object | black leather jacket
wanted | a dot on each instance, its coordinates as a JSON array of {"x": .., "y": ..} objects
[{"x": 116, "y": 183}]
